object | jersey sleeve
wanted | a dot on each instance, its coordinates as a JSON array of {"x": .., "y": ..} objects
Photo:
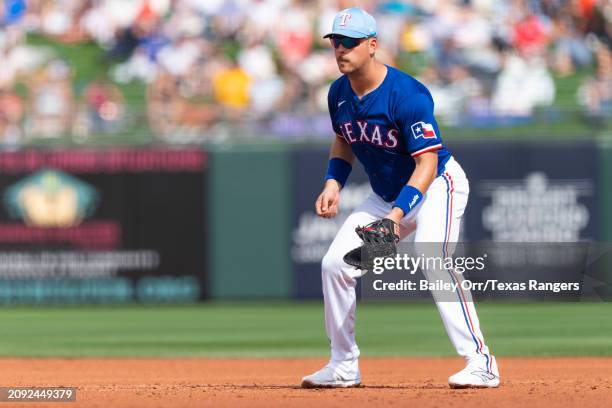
[
  {"x": 332, "y": 106},
  {"x": 418, "y": 125}
]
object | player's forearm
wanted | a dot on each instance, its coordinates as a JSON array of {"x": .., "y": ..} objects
[
  {"x": 424, "y": 174},
  {"x": 341, "y": 150},
  {"x": 425, "y": 171}
]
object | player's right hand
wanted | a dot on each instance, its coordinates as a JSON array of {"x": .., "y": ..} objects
[{"x": 327, "y": 203}]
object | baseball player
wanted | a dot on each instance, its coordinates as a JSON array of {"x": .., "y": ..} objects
[{"x": 384, "y": 117}]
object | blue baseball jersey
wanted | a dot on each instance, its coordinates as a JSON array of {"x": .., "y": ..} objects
[{"x": 387, "y": 128}]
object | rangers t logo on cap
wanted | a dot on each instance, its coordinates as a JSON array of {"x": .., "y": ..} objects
[
  {"x": 344, "y": 18},
  {"x": 353, "y": 22}
]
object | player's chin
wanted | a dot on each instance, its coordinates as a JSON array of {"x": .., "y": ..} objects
[{"x": 345, "y": 67}]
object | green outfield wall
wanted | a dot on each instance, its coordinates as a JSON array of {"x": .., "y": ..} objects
[
  {"x": 248, "y": 222},
  {"x": 605, "y": 187}
]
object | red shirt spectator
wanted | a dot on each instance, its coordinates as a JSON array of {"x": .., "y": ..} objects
[{"x": 530, "y": 35}]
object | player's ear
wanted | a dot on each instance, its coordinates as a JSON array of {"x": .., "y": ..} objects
[{"x": 372, "y": 45}]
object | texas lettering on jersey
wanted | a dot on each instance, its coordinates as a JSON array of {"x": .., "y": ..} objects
[{"x": 369, "y": 133}]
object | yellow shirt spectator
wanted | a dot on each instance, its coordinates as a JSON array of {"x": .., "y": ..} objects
[{"x": 231, "y": 88}]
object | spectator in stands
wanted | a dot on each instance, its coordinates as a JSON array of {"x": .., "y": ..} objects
[
  {"x": 51, "y": 101},
  {"x": 595, "y": 94},
  {"x": 61, "y": 19},
  {"x": 12, "y": 12},
  {"x": 102, "y": 107},
  {"x": 163, "y": 104},
  {"x": 175, "y": 117},
  {"x": 231, "y": 88},
  {"x": 266, "y": 88},
  {"x": 11, "y": 116},
  {"x": 523, "y": 84}
]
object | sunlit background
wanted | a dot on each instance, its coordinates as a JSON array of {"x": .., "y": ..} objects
[{"x": 190, "y": 71}]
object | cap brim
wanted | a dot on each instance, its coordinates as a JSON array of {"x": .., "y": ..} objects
[{"x": 347, "y": 33}]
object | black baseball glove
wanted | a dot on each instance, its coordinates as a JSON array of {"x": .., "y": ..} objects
[{"x": 379, "y": 241}]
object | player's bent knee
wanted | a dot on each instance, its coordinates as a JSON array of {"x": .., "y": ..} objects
[{"x": 332, "y": 265}]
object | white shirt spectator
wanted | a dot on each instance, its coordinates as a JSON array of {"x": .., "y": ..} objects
[
  {"x": 521, "y": 86},
  {"x": 178, "y": 59},
  {"x": 257, "y": 61}
]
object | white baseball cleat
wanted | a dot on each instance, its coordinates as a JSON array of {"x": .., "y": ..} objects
[
  {"x": 476, "y": 375},
  {"x": 331, "y": 377}
]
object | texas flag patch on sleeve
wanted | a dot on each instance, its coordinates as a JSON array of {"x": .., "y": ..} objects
[{"x": 424, "y": 130}]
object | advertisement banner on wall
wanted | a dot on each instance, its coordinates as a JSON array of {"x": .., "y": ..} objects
[
  {"x": 102, "y": 226},
  {"x": 540, "y": 196},
  {"x": 519, "y": 193},
  {"x": 531, "y": 192}
]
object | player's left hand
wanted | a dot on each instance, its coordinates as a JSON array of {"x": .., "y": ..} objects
[{"x": 379, "y": 241}]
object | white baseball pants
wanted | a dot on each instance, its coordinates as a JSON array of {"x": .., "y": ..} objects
[{"x": 436, "y": 219}]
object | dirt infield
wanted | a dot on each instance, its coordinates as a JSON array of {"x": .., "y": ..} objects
[{"x": 554, "y": 382}]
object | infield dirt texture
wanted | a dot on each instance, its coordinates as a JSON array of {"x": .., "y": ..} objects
[{"x": 254, "y": 354}]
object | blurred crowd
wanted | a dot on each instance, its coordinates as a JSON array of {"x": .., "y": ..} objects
[{"x": 214, "y": 67}]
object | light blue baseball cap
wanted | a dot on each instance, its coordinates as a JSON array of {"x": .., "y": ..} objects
[{"x": 353, "y": 22}]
